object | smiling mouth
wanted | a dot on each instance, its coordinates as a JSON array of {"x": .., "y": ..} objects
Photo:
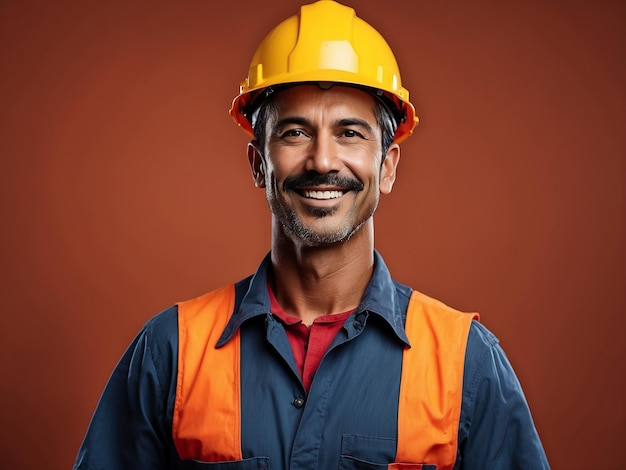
[
  {"x": 321, "y": 187},
  {"x": 324, "y": 195}
]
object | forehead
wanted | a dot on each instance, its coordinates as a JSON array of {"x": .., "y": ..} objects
[{"x": 337, "y": 102}]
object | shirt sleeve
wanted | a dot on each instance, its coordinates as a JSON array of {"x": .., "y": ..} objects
[
  {"x": 496, "y": 429},
  {"x": 131, "y": 426}
]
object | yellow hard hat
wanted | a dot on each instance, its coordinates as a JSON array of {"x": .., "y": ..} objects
[{"x": 325, "y": 42}]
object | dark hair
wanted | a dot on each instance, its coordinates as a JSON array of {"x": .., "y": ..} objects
[
  {"x": 387, "y": 125},
  {"x": 384, "y": 118},
  {"x": 266, "y": 110}
]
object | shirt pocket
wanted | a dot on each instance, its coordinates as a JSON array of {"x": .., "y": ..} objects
[
  {"x": 351, "y": 463},
  {"x": 373, "y": 453},
  {"x": 255, "y": 463}
]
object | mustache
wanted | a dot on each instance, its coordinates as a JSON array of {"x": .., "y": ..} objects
[{"x": 313, "y": 178}]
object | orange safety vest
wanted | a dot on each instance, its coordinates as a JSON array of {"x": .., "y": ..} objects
[{"x": 206, "y": 423}]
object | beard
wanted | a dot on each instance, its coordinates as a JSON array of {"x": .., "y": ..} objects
[
  {"x": 336, "y": 231},
  {"x": 311, "y": 236}
]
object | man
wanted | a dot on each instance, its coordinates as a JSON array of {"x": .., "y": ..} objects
[{"x": 319, "y": 360}]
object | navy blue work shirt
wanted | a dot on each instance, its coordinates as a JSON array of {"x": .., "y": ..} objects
[{"x": 348, "y": 419}]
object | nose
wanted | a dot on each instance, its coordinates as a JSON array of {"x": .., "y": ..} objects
[{"x": 324, "y": 154}]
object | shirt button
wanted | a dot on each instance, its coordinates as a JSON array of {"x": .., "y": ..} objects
[{"x": 298, "y": 402}]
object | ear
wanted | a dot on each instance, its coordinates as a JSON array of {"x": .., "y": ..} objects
[
  {"x": 257, "y": 164},
  {"x": 388, "y": 169}
]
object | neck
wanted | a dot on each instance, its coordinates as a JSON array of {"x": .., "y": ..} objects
[{"x": 310, "y": 282}]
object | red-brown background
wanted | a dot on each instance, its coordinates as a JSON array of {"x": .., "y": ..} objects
[{"x": 124, "y": 188}]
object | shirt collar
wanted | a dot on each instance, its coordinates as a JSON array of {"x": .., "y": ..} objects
[{"x": 383, "y": 297}]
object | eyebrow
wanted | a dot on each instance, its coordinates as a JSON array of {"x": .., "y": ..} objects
[
  {"x": 347, "y": 122},
  {"x": 291, "y": 120}
]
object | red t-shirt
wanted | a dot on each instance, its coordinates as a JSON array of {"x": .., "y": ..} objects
[{"x": 308, "y": 344}]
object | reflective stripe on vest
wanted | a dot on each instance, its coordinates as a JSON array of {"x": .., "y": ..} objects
[
  {"x": 207, "y": 422},
  {"x": 431, "y": 386}
]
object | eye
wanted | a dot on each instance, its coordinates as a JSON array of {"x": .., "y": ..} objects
[
  {"x": 293, "y": 133},
  {"x": 351, "y": 133}
]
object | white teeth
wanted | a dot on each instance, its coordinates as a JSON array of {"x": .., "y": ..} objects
[{"x": 322, "y": 194}]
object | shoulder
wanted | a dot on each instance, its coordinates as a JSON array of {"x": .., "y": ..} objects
[
  {"x": 158, "y": 339},
  {"x": 496, "y": 425},
  {"x": 438, "y": 315},
  {"x": 482, "y": 357},
  {"x": 433, "y": 305},
  {"x": 163, "y": 325},
  {"x": 489, "y": 377},
  {"x": 481, "y": 339}
]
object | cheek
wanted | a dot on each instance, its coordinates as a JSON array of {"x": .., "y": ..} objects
[
  {"x": 365, "y": 162},
  {"x": 271, "y": 172},
  {"x": 369, "y": 173},
  {"x": 274, "y": 179},
  {"x": 280, "y": 167}
]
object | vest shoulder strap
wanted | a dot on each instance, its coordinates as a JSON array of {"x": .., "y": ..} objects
[
  {"x": 431, "y": 386},
  {"x": 214, "y": 436}
]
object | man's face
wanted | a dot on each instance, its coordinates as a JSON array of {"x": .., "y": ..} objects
[{"x": 322, "y": 166}]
